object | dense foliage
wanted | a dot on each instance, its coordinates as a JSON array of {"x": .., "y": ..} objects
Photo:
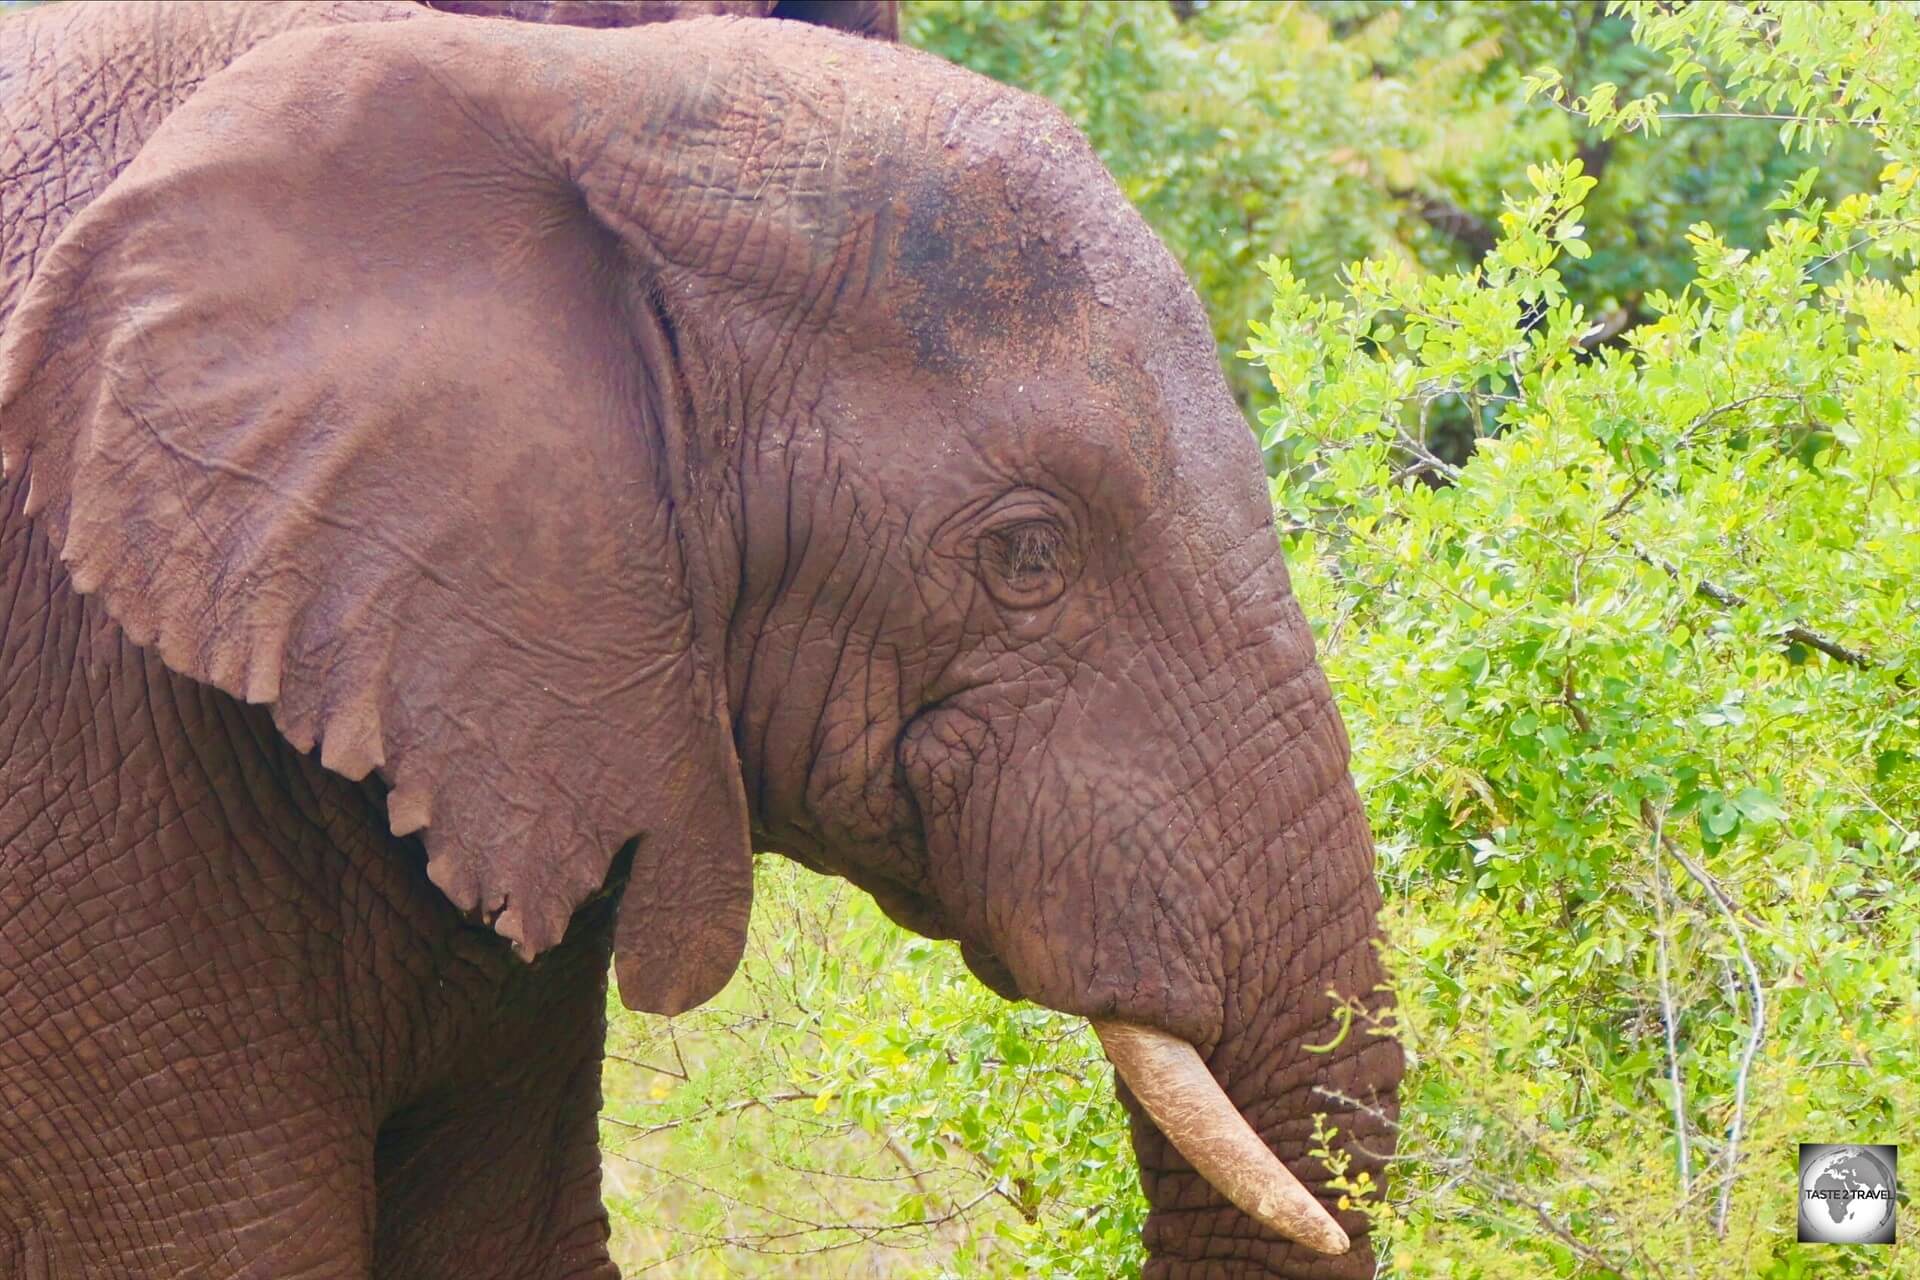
[{"x": 1605, "y": 497}]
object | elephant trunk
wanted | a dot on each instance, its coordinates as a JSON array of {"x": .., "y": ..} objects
[
  {"x": 1301, "y": 988},
  {"x": 1283, "y": 1060},
  {"x": 1199, "y": 1227}
]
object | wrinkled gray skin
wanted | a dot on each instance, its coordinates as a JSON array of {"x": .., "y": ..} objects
[{"x": 763, "y": 438}]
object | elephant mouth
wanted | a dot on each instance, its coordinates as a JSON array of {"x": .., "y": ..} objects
[{"x": 1179, "y": 1094}]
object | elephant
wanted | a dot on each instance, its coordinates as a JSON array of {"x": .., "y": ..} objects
[{"x": 470, "y": 484}]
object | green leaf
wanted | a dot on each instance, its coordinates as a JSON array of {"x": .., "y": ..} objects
[{"x": 1758, "y": 806}]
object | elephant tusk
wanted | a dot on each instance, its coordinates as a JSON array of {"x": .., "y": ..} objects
[{"x": 1187, "y": 1103}]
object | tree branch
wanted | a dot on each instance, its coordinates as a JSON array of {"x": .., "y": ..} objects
[
  {"x": 1734, "y": 600},
  {"x": 1470, "y": 231},
  {"x": 1663, "y": 940},
  {"x": 1757, "y": 1001}
]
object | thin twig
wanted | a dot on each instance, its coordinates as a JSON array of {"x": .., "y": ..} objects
[
  {"x": 762, "y": 1241},
  {"x": 1686, "y": 437},
  {"x": 1855, "y": 122},
  {"x": 899, "y": 1153},
  {"x": 644, "y": 1066},
  {"x": 725, "y": 1108}
]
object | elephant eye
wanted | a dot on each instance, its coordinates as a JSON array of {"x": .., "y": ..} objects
[{"x": 1024, "y": 564}]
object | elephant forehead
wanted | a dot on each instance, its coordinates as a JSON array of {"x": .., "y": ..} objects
[
  {"x": 976, "y": 283},
  {"x": 997, "y": 231},
  {"x": 871, "y": 17}
]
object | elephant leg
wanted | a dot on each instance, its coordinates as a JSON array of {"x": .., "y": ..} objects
[
  {"x": 240, "y": 1199},
  {"x": 174, "y": 1104},
  {"x": 494, "y": 1173}
]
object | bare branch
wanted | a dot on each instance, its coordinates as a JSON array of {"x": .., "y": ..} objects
[
  {"x": 1756, "y": 1032},
  {"x": 1469, "y": 230},
  {"x": 1663, "y": 938},
  {"x": 783, "y": 1242},
  {"x": 1757, "y": 1000},
  {"x": 899, "y": 1153}
]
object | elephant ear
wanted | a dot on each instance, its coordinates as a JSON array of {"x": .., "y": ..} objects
[{"x": 341, "y": 401}]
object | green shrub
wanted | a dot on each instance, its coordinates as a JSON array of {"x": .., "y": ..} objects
[{"x": 1635, "y": 687}]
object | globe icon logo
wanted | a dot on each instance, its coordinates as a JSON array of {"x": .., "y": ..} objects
[{"x": 1846, "y": 1194}]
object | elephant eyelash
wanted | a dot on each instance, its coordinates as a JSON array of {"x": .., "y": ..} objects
[
  {"x": 1029, "y": 548},
  {"x": 1025, "y": 565}
]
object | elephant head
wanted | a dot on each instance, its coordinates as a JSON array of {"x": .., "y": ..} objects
[{"x": 758, "y": 438}]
